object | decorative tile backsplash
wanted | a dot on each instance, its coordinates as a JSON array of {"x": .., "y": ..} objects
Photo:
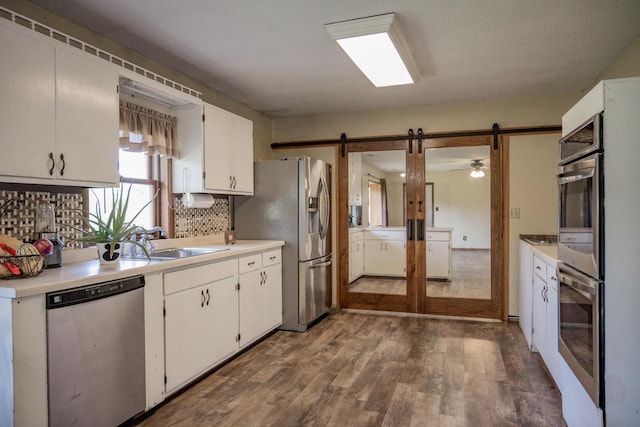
[
  {"x": 193, "y": 222},
  {"x": 20, "y": 219}
]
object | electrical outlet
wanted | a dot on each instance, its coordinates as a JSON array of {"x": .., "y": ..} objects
[{"x": 514, "y": 212}]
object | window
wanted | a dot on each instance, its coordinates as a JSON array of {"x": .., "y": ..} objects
[
  {"x": 136, "y": 171},
  {"x": 375, "y": 204}
]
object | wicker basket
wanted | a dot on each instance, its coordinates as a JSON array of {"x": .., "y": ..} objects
[{"x": 27, "y": 265}]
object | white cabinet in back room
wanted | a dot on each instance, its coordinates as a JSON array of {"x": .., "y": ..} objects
[
  {"x": 385, "y": 253},
  {"x": 216, "y": 152},
  {"x": 525, "y": 302},
  {"x": 355, "y": 179},
  {"x": 439, "y": 255}
]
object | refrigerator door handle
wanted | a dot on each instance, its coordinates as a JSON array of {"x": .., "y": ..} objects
[
  {"x": 324, "y": 264},
  {"x": 324, "y": 225}
]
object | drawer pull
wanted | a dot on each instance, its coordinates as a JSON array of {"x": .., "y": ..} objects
[
  {"x": 538, "y": 267},
  {"x": 272, "y": 257},
  {"x": 554, "y": 278},
  {"x": 250, "y": 264}
]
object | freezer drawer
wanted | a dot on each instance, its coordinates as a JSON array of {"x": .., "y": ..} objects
[{"x": 314, "y": 289}]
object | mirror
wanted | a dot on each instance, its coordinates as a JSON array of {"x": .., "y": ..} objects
[
  {"x": 377, "y": 237},
  {"x": 459, "y": 241}
]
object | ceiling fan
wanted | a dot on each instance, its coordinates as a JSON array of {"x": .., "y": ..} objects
[{"x": 477, "y": 169}]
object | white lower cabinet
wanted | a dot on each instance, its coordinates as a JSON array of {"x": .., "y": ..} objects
[
  {"x": 200, "y": 329},
  {"x": 545, "y": 316},
  {"x": 438, "y": 260},
  {"x": 356, "y": 255},
  {"x": 385, "y": 253},
  {"x": 260, "y": 295},
  {"x": 212, "y": 311},
  {"x": 525, "y": 298}
]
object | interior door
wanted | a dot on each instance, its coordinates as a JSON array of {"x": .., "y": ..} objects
[
  {"x": 465, "y": 232},
  {"x": 428, "y": 222},
  {"x": 380, "y": 255}
]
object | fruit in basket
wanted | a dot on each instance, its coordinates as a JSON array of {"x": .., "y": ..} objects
[
  {"x": 31, "y": 261},
  {"x": 8, "y": 244},
  {"x": 44, "y": 246}
]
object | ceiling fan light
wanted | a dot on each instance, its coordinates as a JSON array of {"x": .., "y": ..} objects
[
  {"x": 477, "y": 173},
  {"x": 378, "y": 48}
]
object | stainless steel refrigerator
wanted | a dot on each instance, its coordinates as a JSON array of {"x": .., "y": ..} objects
[{"x": 291, "y": 202}]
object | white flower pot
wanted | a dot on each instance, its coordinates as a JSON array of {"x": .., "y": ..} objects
[{"x": 104, "y": 253}]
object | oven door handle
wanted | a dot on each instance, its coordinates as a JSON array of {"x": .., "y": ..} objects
[{"x": 587, "y": 290}]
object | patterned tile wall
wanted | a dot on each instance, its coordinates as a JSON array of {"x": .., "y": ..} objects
[
  {"x": 192, "y": 222},
  {"x": 20, "y": 220}
]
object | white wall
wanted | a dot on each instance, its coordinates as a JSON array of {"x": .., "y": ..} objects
[
  {"x": 395, "y": 202},
  {"x": 463, "y": 203}
]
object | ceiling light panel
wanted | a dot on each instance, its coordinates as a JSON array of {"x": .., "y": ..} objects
[{"x": 378, "y": 48}]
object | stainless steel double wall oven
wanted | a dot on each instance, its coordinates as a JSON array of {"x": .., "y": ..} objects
[{"x": 581, "y": 254}]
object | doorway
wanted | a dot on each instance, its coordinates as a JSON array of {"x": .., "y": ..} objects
[{"x": 436, "y": 242}]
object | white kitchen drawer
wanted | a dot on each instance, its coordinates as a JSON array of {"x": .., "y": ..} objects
[
  {"x": 552, "y": 279},
  {"x": 250, "y": 263},
  {"x": 384, "y": 235},
  {"x": 188, "y": 278},
  {"x": 356, "y": 236},
  {"x": 540, "y": 268},
  {"x": 271, "y": 258},
  {"x": 438, "y": 236}
]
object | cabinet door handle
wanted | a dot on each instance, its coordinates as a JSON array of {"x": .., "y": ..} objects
[
  {"x": 265, "y": 277},
  {"x": 202, "y": 298},
  {"x": 230, "y": 182},
  {"x": 63, "y": 164},
  {"x": 53, "y": 163},
  {"x": 208, "y": 296},
  {"x": 235, "y": 182},
  {"x": 554, "y": 278}
]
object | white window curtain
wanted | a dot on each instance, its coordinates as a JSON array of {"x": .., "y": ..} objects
[{"x": 146, "y": 130}]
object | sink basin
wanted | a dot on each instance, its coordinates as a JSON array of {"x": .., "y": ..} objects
[{"x": 178, "y": 253}]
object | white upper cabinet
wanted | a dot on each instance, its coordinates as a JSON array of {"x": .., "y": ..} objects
[
  {"x": 27, "y": 110},
  {"x": 59, "y": 113},
  {"x": 87, "y": 119},
  {"x": 228, "y": 152},
  {"x": 215, "y": 157}
]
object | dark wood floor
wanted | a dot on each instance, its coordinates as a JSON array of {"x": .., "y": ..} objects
[{"x": 367, "y": 370}]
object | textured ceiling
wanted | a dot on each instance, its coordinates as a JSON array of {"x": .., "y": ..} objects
[{"x": 276, "y": 57}]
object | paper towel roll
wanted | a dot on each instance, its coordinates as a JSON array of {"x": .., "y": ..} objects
[{"x": 198, "y": 200}]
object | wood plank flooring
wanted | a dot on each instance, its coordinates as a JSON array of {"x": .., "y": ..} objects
[
  {"x": 470, "y": 278},
  {"x": 355, "y": 369}
]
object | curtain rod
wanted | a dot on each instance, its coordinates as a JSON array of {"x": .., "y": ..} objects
[{"x": 386, "y": 138}]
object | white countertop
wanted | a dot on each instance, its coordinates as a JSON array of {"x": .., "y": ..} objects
[
  {"x": 81, "y": 271},
  {"x": 402, "y": 229},
  {"x": 549, "y": 253}
]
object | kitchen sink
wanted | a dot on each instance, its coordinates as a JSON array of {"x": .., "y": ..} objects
[{"x": 178, "y": 253}]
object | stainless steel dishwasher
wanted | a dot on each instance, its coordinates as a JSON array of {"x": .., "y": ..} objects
[{"x": 95, "y": 346}]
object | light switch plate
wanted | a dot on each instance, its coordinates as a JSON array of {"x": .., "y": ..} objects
[{"x": 514, "y": 212}]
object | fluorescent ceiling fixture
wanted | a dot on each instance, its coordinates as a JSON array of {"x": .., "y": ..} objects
[{"x": 378, "y": 48}]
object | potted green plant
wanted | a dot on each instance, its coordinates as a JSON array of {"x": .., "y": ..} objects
[{"x": 109, "y": 231}]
